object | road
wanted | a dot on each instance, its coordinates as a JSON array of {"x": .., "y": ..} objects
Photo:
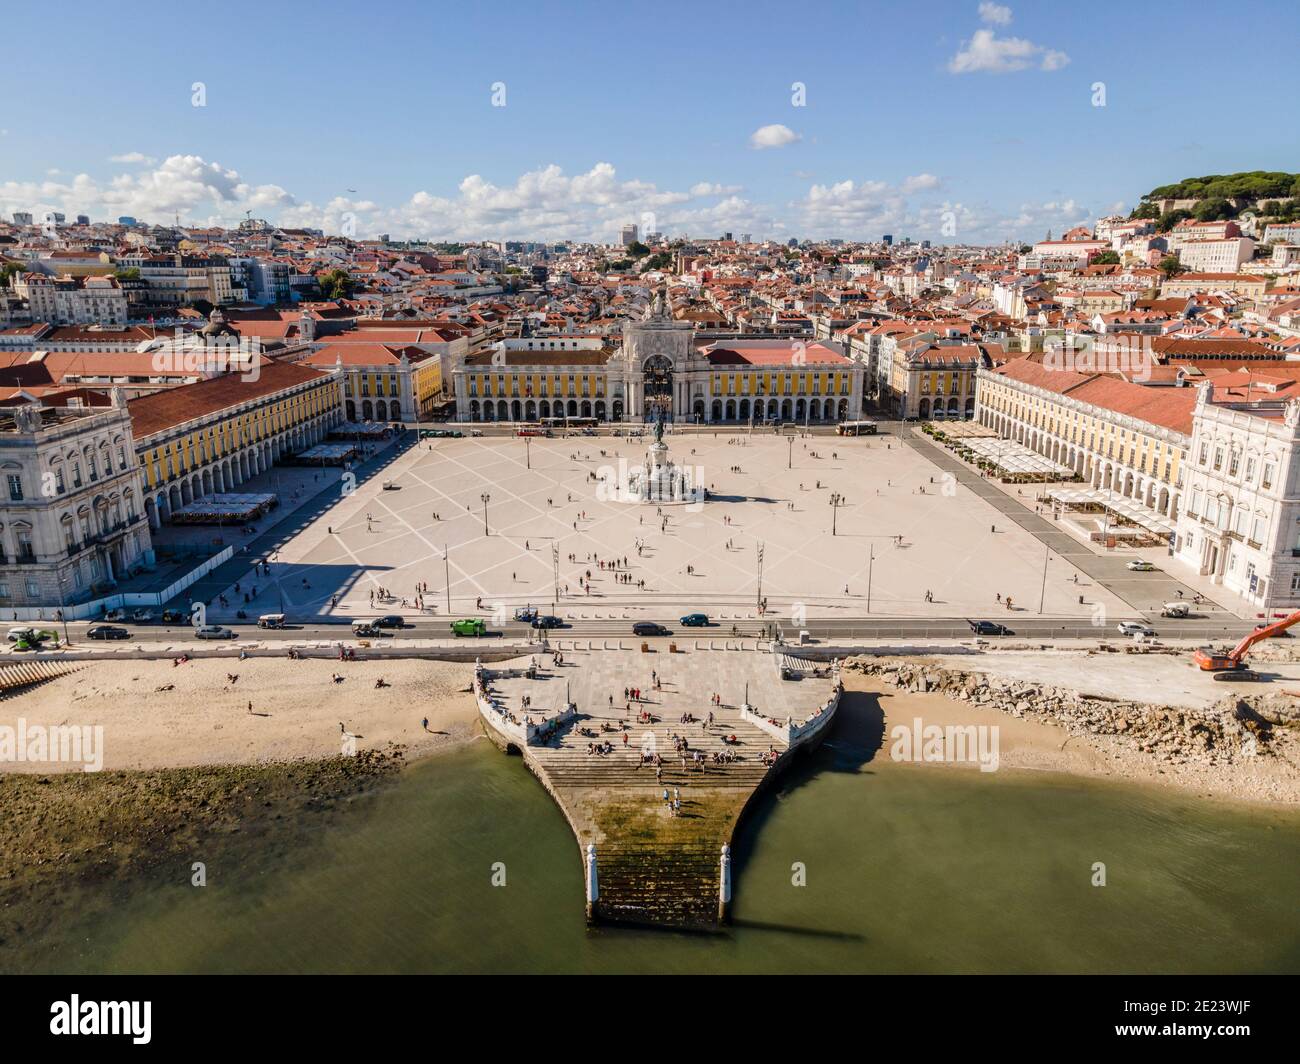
[{"x": 1218, "y": 628}]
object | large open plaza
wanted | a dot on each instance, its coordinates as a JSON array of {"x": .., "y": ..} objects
[{"x": 846, "y": 526}]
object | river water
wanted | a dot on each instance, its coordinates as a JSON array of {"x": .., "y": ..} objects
[{"x": 905, "y": 868}]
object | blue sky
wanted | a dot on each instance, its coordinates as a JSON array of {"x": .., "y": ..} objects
[{"x": 980, "y": 114}]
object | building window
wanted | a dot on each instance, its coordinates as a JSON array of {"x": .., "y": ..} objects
[
  {"x": 1234, "y": 463},
  {"x": 1267, "y": 480},
  {"x": 15, "y": 486}
]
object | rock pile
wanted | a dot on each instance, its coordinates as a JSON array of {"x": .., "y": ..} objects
[{"x": 1232, "y": 729}]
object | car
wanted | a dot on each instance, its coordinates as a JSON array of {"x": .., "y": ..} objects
[
  {"x": 174, "y": 616},
  {"x": 213, "y": 631},
  {"x": 1137, "y": 565},
  {"x": 526, "y": 613},
  {"x": 469, "y": 626},
  {"x": 547, "y": 620},
  {"x": 392, "y": 620},
  {"x": 390, "y": 486},
  {"x": 107, "y": 631},
  {"x": 695, "y": 620},
  {"x": 115, "y": 615},
  {"x": 25, "y": 632},
  {"x": 476, "y": 432},
  {"x": 649, "y": 628},
  {"x": 989, "y": 628},
  {"x": 1176, "y": 609},
  {"x": 142, "y": 616},
  {"x": 1135, "y": 628},
  {"x": 1284, "y": 634},
  {"x": 365, "y": 628}
]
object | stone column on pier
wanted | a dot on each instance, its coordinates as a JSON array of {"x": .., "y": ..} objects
[
  {"x": 724, "y": 885},
  {"x": 593, "y": 888}
]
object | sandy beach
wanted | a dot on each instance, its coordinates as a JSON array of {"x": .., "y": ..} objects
[{"x": 155, "y": 715}]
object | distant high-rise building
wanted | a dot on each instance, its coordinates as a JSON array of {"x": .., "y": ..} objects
[
  {"x": 925, "y": 243},
  {"x": 888, "y": 240},
  {"x": 726, "y": 236},
  {"x": 745, "y": 238},
  {"x": 126, "y": 219},
  {"x": 83, "y": 219},
  {"x": 22, "y": 217},
  {"x": 383, "y": 238},
  {"x": 792, "y": 242},
  {"x": 629, "y": 234}
]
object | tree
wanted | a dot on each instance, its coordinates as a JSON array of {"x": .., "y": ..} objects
[
  {"x": 133, "y": 274},
  {"x": 8, "y": 271},
  {"x": 1170, "y": 266},
  {"x": 1170, "y": 219},
  {"x": 335, "y": 284},
  {"x": 1214, "y": 209},
  {"x": 1106, "y": 258},
  {"x": 637, "y": 249}
]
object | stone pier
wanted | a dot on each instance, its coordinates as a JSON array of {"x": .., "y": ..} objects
[{"x": 643, "y": 860}]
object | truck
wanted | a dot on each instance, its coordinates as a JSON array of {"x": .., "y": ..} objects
[
  {"x": 1176, "y": 609},
  {"x": 469, "y": 626}
]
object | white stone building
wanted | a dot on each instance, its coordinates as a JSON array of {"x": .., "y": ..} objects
[
  {"x": 1241, "y": 522},
  {"x": 72, "y": 518}
]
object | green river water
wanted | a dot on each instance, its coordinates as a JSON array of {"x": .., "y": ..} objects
[{"x": 908, "y": 869}]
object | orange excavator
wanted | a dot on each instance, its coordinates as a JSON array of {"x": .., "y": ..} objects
[{"x": 1210, "y": 661}]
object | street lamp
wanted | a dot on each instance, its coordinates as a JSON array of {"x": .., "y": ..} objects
[
  {"x": 486, "y": 499},
  {"x": 789, "y": 454},
  {"x": 871, "y": 562},
  {"x": 446, "y": 570},
  {"x": 528, "y": 452},
  {"x": 837, "y": 500}
]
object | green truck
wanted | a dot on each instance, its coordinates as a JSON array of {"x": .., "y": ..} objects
[{"x": 469, "y": 626}]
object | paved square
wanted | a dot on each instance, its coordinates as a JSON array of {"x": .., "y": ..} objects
[{"x": 927, "y": 534}]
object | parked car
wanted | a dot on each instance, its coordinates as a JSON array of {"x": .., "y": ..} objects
[
  {"x": 142, "y": 616},
  {"x": 391, "y": 620},
  {"x": 213, "y": 631},
  {"x": 695, "y": 620},
  {"x": 547, "y": 620},
  {"x": 649, "y": 628},
  {"x": 1137, "y": 565},
  {"x": 526, "y": 614},
  {"x": 469, "y": 626},
  {"x": 989, "y": 628},
  {"x": 107, "y": 631},
  {"x": 1175, "y": 609},
  {"x": 390, "y": 486},
  {"x": 365, "y": 628},
  {"x": 1135, "y": 628},
  {"x": 476, "y": 432},
  {"x": 115, "y": 615},
  {"x": 174, "y": 616}
]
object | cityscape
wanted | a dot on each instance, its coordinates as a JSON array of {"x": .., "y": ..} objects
[{"x": 628, "y": 532}]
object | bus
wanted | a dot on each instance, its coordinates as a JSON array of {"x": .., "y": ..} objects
[
  {"x": 570, "y": 422},
  {"x": 856, "y": 428}
]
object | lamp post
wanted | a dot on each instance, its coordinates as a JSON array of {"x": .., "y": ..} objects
[
  {"x": 871, "y": 562},
  {"x": 446, "y": 569},
  {"x": 528, "y": 452},
  {"x": 759, "y": 603},
  {"x": 1042, "y": 595},
  {"x": 837, "y": 500},
  {"x": 789, "y": 454},
  {"x": 486, "y": 499}
]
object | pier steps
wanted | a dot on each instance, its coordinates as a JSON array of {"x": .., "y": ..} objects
[
  {"x": 659, "y": 884},
  {"x": 20, "y": 675}
]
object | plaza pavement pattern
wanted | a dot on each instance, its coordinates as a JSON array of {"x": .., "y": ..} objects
[{"x": 905, "y": 527}]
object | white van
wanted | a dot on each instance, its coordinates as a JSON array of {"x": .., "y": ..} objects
[{"x": 271, "y": 620}]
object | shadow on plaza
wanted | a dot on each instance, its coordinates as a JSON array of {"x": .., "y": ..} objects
[{"x": 270, "y": 539}]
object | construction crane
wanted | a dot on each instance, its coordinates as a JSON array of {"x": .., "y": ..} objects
[{"x": 1209, "y": 661}]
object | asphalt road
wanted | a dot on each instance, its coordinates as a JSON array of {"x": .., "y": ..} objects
[{"x": 840, "y": 629}]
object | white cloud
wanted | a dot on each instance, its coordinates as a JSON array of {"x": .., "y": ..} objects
[
  {"x": 987, "y": 53},
  {"x": 774, "y": 136},
  {"x": 995, "y": 14},
  {"x": 133, "y": 157},
  {"x": 921, "y": 183}
]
